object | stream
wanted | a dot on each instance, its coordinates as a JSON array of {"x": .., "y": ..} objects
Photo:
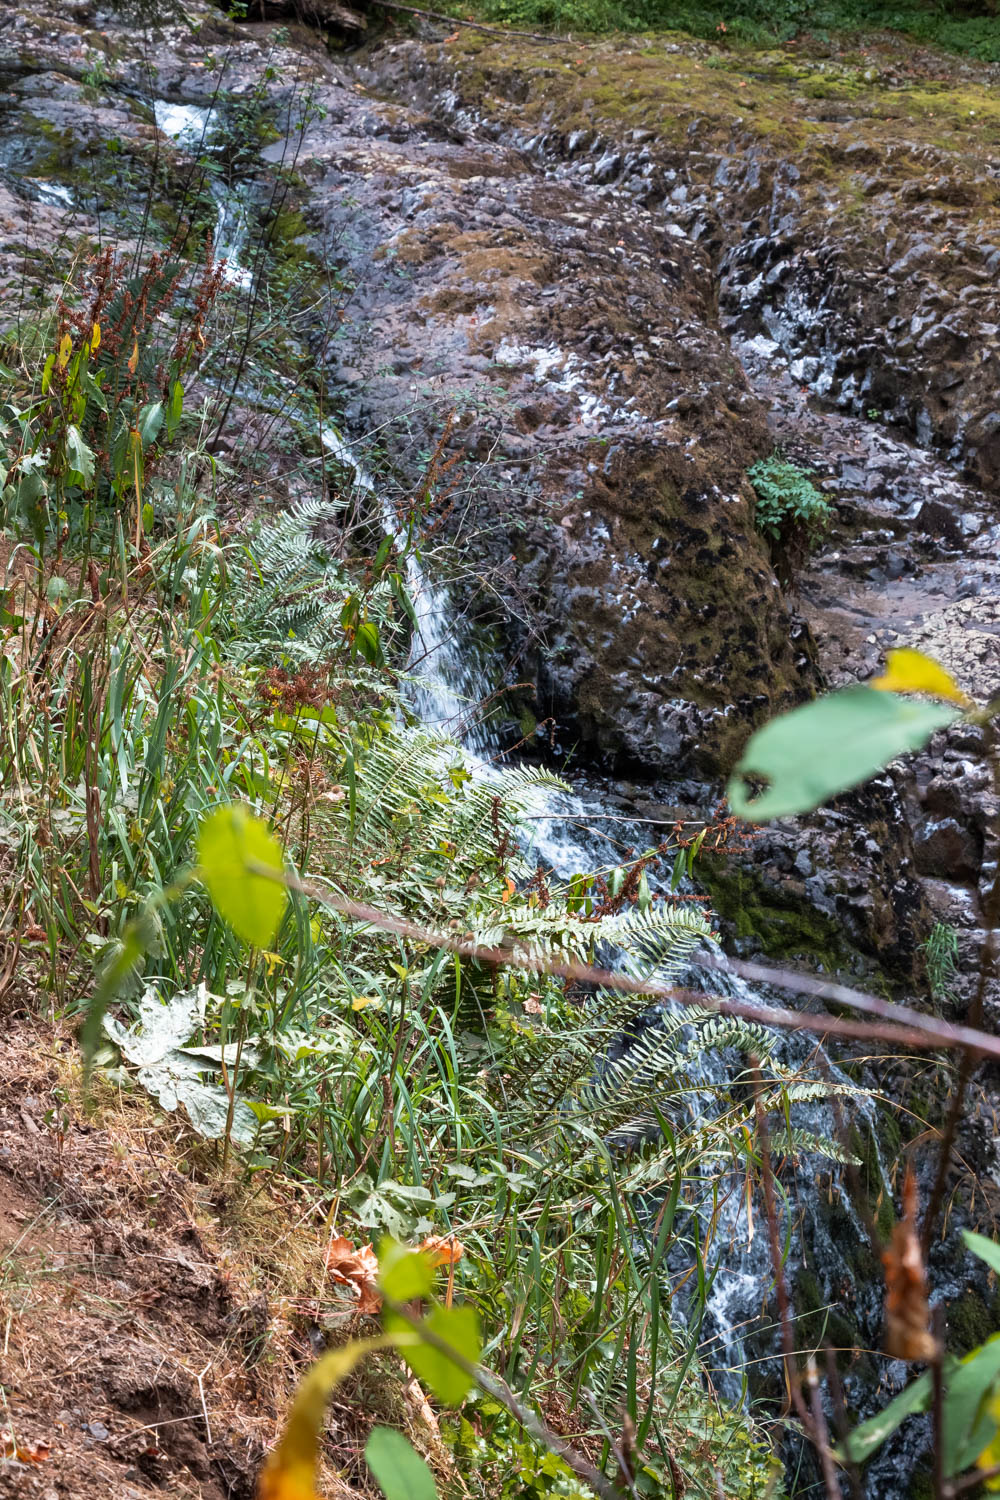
[
  {"x": 594, "y": 827},
  {"x": 191, "y": 127},
  {"x": 601, "y": 822},
  {"x": 614, "y": 276}
]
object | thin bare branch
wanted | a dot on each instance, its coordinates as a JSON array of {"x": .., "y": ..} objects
[{"x": 914, "y": 1029}]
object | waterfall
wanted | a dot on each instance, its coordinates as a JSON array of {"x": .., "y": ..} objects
[
  {"x": 190, "y": 126},
  {"x": 584, "y": 830},
  {"x": 592, "y": 828}
]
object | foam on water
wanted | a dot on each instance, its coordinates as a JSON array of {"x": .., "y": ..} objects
[{"x": 191, "y": 125}]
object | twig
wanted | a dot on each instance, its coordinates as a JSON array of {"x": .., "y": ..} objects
[
  {"x": 774, "y": 1236},
  {"x": 204, "y": 1406},
  {"x": 937, "y": 1410},
  {"x": 974, "y": 1480},
  {"x": 843, "y": 1426},
  {"x": 821, "y": 1437},
  {"x": 914, "y": 1029}
]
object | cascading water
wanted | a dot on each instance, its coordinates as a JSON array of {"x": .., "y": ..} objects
[
  {"x": 592, "y": 828},
  {"x": 444, "y": 686},
  {"x": 191, "y": 126}
]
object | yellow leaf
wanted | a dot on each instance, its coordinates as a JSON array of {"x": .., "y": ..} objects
[
  {"x": 133, "y": 363},
  {"x": 360, "y": 1001},
  {"x": 95, "y": 338},
  {"x": 990, "y": 1456},
  {"x": 912, "y": 672},
  {"x": 290, "y": 1472},
  {"x": 65, "y": 350}
]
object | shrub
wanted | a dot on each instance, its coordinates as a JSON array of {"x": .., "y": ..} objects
[
  {"x": 789, "y": 506},
  {"x": 763, "y": 21}
]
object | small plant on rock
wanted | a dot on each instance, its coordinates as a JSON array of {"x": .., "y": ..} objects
[
  {"x": 790, "y": 510},
  {"x": 940, "y": 958}
]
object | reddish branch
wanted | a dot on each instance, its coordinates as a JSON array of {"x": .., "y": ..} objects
[{"x": 911, "y": 1028}]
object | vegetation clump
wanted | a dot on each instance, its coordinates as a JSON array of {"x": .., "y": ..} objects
[
  {"x": 789, "y": 508},
  {"x": 971, "y": 28},
  {"x": 313, "y": 935}
]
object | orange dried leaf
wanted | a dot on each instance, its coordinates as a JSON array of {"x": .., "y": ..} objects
[
  {"x": 442, "y": 1252},
  {"x": 907, "y": 1312},
  {"x": 21, "y": 1452},
  {"x": 133, "y": 363},
  {"x": 357, "y": 1269}
]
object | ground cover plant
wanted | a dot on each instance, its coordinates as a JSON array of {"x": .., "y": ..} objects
[{"x": 971, "y": 28}]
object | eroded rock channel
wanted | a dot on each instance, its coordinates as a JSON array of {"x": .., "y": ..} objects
[
  {"x": 607, "y": 279},
  {"x": 664, "y": 290}
]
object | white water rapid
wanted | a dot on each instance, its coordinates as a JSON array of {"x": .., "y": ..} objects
[{"x": 190, "y": 126}]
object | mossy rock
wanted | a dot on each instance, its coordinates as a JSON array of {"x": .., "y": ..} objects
[{"x": 782, "y": 926}]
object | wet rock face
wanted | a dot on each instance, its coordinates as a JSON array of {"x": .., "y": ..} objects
[
  {"x": 817, "y": 261},
  {"x": 580, "y": 349},
  {"x": 850, "y": 204},
  {"x": 839, "y": 887},
  {"x": 617, "y": 325},
  {"x": 907, "y": 327}
]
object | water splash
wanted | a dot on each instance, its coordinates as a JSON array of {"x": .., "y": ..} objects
[
  {"x": 443, "y": 686},
  {"x": 191, "y": 127}
]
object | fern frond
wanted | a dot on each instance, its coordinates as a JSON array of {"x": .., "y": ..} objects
[
  {"x": 798, "y": 1142},
  {"x": 795, "y": 1093},
  {"x": 657, "y": 941}
]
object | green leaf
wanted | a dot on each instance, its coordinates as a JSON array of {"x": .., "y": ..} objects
[
  {"x": 969, "y": 1425},
  {"x": 150, "y": 422},
  {"x": 966, "y": 1433},
  {"x": 93, "y": 391},
  {"x": 403, "y": 1274},
  {"x": 401, "y": 1473},
  {"x": 987, "y": 1250},
  {"x": 79, "y": 457},
  {"x": 231, "y": 842},
  {"x": 459, "y": 1328},
  {"x": 385, "y": 547},
  {"x": 366, "y": 639},
  {"x": 827, "y": 746}
]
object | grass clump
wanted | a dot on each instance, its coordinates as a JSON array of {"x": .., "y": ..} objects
[
  {"x": 164, "y": 658},
  {"x": 974, "y": 30},
  {"x": 941, "y": 959}
]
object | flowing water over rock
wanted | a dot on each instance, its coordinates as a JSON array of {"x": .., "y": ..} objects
[
  {"x": 192, "y": 127},
  {"x": 621, "y": 315}
]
